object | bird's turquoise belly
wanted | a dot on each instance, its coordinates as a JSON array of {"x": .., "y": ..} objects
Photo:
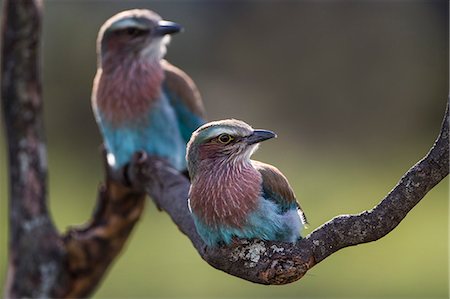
[
  {"x": 267, "y": 223},
  {"x": 157, "y": 134}
]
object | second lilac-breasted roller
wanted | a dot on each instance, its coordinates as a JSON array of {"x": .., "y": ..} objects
[
  {"x": 141, "y": 102},
  {"x": 232, "y": 196}
]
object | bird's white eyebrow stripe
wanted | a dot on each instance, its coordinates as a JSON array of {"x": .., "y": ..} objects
[
  {"x": 213, "y": 132},
  {"x": 127, "y": 23}
]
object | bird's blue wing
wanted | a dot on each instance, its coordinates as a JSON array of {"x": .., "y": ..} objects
[
  {"x": 276, "y": 188},
  {"x": 185, "y": 99}
]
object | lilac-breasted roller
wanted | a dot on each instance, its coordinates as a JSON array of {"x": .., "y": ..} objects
[
  {"x": 141, "y": 102},
  {"x": 232, "y": 196}
]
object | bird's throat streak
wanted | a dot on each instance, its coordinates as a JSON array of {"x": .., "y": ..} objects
[
  {"x": 127, "y": 92},
  {"x": 224, "y": 194}
]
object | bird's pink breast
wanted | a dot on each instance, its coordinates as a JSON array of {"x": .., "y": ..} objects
[
  {"x": 225, "y": 194},
  {"x": 127, "y": 92}
]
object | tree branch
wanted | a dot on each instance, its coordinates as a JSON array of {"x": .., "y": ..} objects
[
  {"x": 93, "y": 247},
  {"x": 34, "y": 272},
  {"x": 280, "y": 263},
  {"x": 42, "y": 263}
]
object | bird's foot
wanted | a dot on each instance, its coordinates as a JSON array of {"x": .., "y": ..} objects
[
  {"x": 235, "y": 242},
  {"x": 137, "y": 172}
]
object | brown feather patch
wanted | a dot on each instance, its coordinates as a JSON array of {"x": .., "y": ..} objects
[
  {"x": 185, "y": 89},
  {"x": 278, "y": 184}
]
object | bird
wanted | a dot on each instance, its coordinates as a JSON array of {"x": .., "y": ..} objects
[
  {"x": 141, "y": 102},
  {"x": 233, "y": 197}
]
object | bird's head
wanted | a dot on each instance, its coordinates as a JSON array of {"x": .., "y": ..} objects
[
  {"x": 225, "y": 141},
  {"x": 135, "y": 33}
]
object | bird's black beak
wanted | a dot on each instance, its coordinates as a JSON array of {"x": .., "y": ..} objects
[
  {"x": 167, "y": 27},
  {"x": 259, "y": 135}
]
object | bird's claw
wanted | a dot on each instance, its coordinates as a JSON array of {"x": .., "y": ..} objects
[
  {"x": 139, "y": 157},
  {"x": 137, "y": 170}
]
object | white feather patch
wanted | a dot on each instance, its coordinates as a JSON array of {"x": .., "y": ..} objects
[
  {"x": 127, "y": 23},
  {"x": 157, "y": 49}
]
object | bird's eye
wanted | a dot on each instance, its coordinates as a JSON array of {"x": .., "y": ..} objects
[
  {"x": 225, "y": 138},
  {"x": 134, "y": 31}
]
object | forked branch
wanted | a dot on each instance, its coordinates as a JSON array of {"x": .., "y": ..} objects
[{"x": 44, "y": 263}]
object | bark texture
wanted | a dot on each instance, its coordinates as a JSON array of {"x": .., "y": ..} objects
[
  {"x": 46, "y": 264},
  {"x": 43, "y": 263}
]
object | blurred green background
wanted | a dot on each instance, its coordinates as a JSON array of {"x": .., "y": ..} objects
[{"x": 355, "y": 91}]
